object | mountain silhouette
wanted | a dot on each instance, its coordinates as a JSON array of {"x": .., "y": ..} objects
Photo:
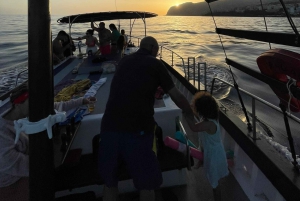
[{"x": 221, "y": 6}]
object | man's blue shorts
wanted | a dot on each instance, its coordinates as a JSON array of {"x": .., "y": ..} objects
[{"x": 135, "y": 149}]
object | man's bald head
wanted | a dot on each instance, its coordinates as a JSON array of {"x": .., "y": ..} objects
[{"x": 149, "y": 43}]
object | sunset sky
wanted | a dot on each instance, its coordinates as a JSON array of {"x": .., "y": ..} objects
[{"x": 69, "y": 7}]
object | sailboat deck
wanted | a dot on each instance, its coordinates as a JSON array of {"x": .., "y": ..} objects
[{"x": 194, "y": 185}]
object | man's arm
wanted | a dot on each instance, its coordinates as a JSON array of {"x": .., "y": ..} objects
[
  {"x": 93, "y": 26},
  {"x": 183, "y": 104},
  {"x": 80, "y": 38}
]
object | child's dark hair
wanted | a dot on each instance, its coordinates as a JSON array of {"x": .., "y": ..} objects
[
  {"x": 62, "y": 33},
  {"x": 204, "y": 104},
  {"x": 90, "y": 31},
  {"x": 112, "y": 26}
]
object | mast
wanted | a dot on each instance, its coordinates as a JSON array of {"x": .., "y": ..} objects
[{"x": 40, "y": 82}]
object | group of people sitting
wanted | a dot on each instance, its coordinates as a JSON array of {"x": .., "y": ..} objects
[{"x": 110, "y": 42}]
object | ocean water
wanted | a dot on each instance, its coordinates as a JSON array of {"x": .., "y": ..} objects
[{"x": 187, "y": 36}]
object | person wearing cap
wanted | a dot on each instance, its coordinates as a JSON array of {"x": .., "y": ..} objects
[
  {"x": 127, "y": 127},
  {"x": 104, "y": 37},
  {"x": 14, "y": 157}
]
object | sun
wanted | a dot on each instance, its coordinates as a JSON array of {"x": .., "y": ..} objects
[{"x": 177, "y": 5}]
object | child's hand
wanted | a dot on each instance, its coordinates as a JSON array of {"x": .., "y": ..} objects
[
  {"x": 88, "y": 100},
  {"x": 92, "y": 98},
  {"x": 85, "y": 101}
]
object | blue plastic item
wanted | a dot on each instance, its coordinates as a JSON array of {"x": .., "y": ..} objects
[
  {"x": 180, "y": 137},
  {"x": 77, "y": 114}
]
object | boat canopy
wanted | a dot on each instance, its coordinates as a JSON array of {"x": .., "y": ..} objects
[{"x": 104, "y": 16}]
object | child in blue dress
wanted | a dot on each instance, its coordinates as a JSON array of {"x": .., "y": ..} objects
[{"x": 214, "y": 160}]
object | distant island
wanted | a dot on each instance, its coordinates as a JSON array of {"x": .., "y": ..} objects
[{"x": 246, "y": 8}]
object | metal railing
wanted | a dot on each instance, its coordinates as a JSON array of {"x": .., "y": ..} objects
[
  {"x": 172, "y": 56},
  {"x": 181, "y": 128},
  {"x": 161, "y": 51},
  {"x": 18, "y": 76},
  {"x": 194, "y": 79},
  {"x": 130, "y": 40},
  {"x": 254, "y": 99}
]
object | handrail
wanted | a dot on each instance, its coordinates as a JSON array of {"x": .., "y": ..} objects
[
  {"x": 17, "y": 77},
  {"x": 172, "y": 60},
  {"x": 139, "y": 39},
  {"x": 266, "y": 79},
  {"x": 161, "y": 52},
  {"x": 181, "y": 127},
  {"x": 253, "y": 104},
  {"x": 163, "y": 47},
  {"x": 199, "y": 74},
  {"x": 188, "y": 69}
]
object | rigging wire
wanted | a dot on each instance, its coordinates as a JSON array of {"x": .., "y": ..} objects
[
  {"x": 289, "y": 84},
  {"x": 234, "y": 82},
  {"x": 262, "y": 8},
  {"x": 291, "y": 22},
  {"x": 218, "y": 34},
  {"x": 290, "y": 137},
  {"x": 117, "y": 10},
  {"x": 282, "y": 107}
]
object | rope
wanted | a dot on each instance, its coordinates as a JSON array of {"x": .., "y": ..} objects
[
  {"x": 291, "y": 22},
  {"x": 262, "y": 8},
  {"x": 66, "y": 93},
  {"x": 288, "y": 85}
]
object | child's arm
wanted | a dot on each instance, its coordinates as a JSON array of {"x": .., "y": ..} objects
[
  {"x": 207, "y": 126},
  {"x": 79, "y": 38}
]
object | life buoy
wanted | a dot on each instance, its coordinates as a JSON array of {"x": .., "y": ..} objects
[{"x": 278, "y": 64}]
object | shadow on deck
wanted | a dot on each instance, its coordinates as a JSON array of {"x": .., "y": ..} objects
[{"x": 197, "y": 188}]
